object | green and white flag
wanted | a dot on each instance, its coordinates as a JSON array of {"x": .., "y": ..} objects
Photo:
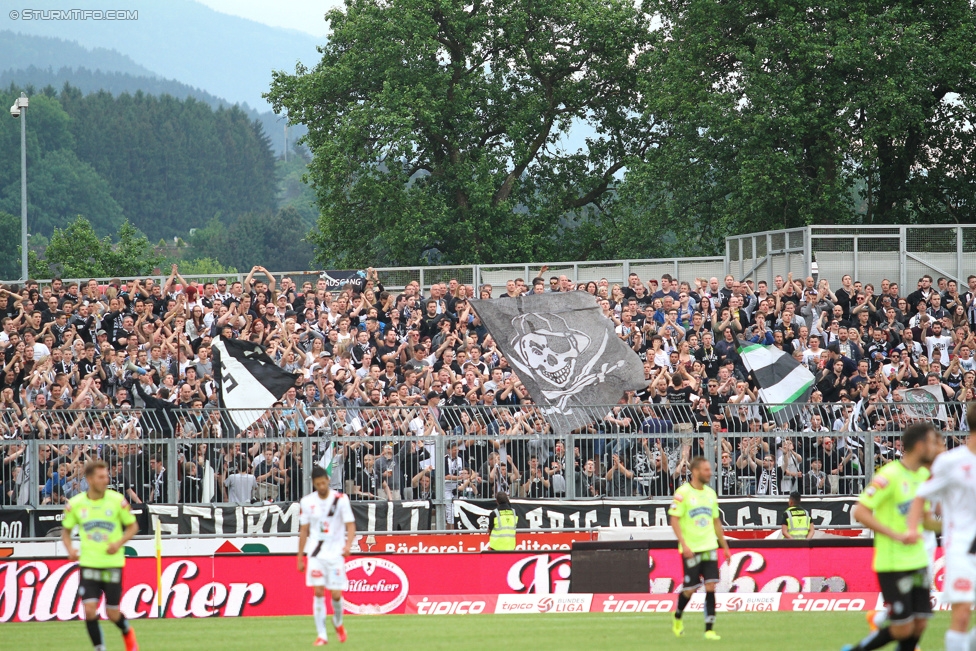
[
  {"x": 329, "y": 460},
  {"x": 782, "y": 380}
]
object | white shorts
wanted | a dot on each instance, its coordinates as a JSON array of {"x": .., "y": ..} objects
[
  {"x": 327, "y": 572},
  {"x": 959, "y": 580}
]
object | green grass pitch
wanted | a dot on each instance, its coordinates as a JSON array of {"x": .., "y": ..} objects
[{"x": 745, "y": 631}]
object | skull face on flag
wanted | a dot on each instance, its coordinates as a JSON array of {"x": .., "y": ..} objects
[
  {"x": 563, "y": 349},
  {"x": 549, "y": 347}
]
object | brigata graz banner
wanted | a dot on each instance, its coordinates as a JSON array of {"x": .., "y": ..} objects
[
  {"x": 556, "y": 514},
  {"x": 234, "y": 585},
  {"x": 540, "y": 515},
  {"x": 283, "y": 517}
]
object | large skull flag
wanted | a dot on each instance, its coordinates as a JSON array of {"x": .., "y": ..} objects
[{"x": 564, "y": 351}]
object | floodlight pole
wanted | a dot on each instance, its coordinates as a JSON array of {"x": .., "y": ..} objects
[{"x": 22, "y": 101}]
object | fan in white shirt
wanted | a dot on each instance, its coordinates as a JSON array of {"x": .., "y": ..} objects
[
  {"x": 938, "y": 340},
  {"x": 327, "y": 531},
  {"x": 953, "y": 484}
]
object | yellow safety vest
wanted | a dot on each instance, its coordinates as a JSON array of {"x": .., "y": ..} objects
[
  {"x": 797, "y": 522},
  {"x": 502, "y": 536}
]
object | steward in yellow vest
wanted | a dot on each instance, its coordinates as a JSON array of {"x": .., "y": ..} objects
[
  {"x": 796, "y": 522},
  {"x": 501, "y": 525}
]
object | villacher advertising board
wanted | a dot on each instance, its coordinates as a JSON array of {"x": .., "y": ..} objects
[{"x": 264, "y": 584}]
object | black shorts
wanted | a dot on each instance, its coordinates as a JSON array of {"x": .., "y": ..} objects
[
  {"x": 907, "y": 594},
  {"x": 701, "y": 568},
  {"x": 96, "y": 582}
]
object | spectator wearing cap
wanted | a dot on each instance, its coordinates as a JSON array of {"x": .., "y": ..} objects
[{"x": 101, "y": 337}]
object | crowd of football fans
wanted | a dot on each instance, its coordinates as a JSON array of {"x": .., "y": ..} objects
[{"x": 119, "y": 370}]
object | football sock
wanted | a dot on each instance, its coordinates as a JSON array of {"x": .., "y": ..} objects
[
  {"x": 95, "y": 633},
  {"x": 709, "y": 610},
  {"x": 956, "y": 641},
  {"x": 908, "y": 644},
  {"x": 875, "y": 640},
  {"x": 682, "y": 604},
  {"x": 881, "y": 617},
  {"x": 123, "y": 624},
  {"x": 337, "y": 612},
  {"x": 319, "y": 610}
]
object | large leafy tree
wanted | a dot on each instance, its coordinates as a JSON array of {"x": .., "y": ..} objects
[
  {"x": 437, "y": 128},
  {"x": 781, "y": 114},
  {"x": 77, "y": 252}
]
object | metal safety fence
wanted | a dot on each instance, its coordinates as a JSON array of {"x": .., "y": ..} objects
[
  {"x": 396, "y": 278},
  {"x": 443, "y": 454},
  {"x": 901, "y": 254},
  {"x": 869, "y": 253}
]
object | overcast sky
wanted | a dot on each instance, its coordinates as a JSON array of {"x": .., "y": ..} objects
[{"x": 303, "y": 15}]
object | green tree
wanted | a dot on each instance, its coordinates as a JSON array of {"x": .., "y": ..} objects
[
  {"x": 133, "y": 254},
  {"x": 77, "y": 252},
  {"x": 437, "y": 128},
  {"x": 37, "y": 268},
  {"x": 779, "y": 115}
]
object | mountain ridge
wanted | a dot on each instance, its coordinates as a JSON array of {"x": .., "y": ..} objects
[{"x": 229, "y": 56}]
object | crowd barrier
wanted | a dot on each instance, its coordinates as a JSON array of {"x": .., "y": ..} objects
[{"x": 183, "y": 462}]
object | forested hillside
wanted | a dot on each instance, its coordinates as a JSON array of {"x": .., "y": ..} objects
[{"x": 165, "y": 164}]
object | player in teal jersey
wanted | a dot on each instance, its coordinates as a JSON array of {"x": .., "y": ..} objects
[
  {"x": 900, "y": 559},
  {"x": 697, "y": 523},
  {"x": 104, "y": 524}
]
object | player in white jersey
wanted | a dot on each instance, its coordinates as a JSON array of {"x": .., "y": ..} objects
[
  {"x": 953, "y": 484},
  {"x": 326, "y": 534}
]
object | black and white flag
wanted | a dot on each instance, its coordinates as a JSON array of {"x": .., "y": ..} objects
[
  {"x": 566, "y": 352},
  {"x": 248, "y": 381}
]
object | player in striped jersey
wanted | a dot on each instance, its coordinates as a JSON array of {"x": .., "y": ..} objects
[{"x": 327, "y": 531}]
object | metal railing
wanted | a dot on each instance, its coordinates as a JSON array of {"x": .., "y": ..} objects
[
  {"x": 438, "y": 454},
  {"x": 870, "y": 254},
  {"x": 396, "y": 278}
]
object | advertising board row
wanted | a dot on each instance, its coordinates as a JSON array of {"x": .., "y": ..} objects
[{"x": 258, "y": 585}]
